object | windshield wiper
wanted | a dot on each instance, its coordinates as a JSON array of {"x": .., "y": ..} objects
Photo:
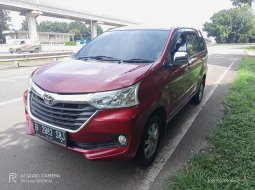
[
  {"x": 99, "y": 57},
  {"x": 137, "y": 61},
  {"x": 108, "y": 58}
]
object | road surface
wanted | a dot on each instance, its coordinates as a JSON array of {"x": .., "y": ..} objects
[{"x": 28, "y": 162}]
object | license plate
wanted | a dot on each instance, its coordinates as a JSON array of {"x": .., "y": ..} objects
[{"x": 52, "y": 134}]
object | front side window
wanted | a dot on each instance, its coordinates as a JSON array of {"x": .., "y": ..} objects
[
  {"x": 127, "y": 45},
  {"x": 181, "y": 45}
]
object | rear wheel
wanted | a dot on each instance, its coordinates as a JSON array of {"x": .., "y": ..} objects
[
  {"x": 150, "y": 141},
  {"x": 197, "y": 98},
  {"x": 37, "y": 50}
]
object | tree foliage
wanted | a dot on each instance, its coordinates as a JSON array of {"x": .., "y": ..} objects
[
  {"x": 24, "y": 25},
  {"x": 48, "y": 26},
  {"x": 4, "y": 18},
  {"x": 236, "y": 25},
  {"x": 79, "y": 28},
  {"x": 241, "y": 2}
]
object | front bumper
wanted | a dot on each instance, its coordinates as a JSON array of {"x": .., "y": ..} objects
[{"x": 98, "y": 138}]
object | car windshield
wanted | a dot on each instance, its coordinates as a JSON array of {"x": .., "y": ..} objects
[{"x": 137, "y": 46}]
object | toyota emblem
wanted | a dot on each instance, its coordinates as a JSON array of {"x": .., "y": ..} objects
[{"x": 48, "y": 99}]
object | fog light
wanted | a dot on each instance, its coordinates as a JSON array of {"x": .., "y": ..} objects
[{"x": 122, "y": 140}]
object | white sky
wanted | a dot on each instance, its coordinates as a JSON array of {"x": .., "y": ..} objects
[{"x": 171, "y": 12}]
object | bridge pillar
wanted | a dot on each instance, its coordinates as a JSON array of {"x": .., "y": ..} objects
[
  {"x": 93, "y": 30},
  {"x": 32, "y": 26}
]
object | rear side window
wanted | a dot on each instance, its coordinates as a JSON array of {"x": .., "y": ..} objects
[
  {"x": 193, "y": 46},
  {"x": 201, "y": 43}
]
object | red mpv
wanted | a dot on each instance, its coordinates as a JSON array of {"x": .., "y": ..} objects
[{"x": 114, "y": 97}]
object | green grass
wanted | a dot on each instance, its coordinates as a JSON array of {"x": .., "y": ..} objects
[
  {"x": 250, "y": 48},
  {"x": 231, "y": 164}
]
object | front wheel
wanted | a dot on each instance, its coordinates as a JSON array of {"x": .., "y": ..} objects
[
  {"x": 18, "y": 51},
  {"x": 37, "y": 50},
  {"x": 197, "y": 98},
  {"x": 150, "y": 141}
]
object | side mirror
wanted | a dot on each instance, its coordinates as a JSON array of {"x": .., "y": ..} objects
[{"x": 181, "y": 58}]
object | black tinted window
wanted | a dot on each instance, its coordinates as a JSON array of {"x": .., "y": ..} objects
[
  {"x": 201, "y": 43},
  {"x": 181, "y": 45},
  {"x": 192, "y": 44},
  {"x": 125, "y": 45}
]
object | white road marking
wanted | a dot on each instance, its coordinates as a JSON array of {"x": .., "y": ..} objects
[
  {"x": 170, "y": 147},
  {"x": 14, "y": 78},
  {"x": 10, "y": 101}
]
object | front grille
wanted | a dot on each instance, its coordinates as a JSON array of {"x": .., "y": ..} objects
[
  {"x": 69, "y": 116},
  {"x": 89, "y": 146}
]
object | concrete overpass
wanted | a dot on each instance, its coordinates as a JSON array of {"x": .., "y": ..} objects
[{"x": 33, "y": 8}]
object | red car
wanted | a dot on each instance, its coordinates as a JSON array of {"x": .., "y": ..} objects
[{"x": 113, "y": 99}]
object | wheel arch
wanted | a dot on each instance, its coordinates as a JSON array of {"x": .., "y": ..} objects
[{"x": 161, "y": 112}]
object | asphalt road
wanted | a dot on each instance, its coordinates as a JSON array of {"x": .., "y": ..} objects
[{"x": 36, "y": 164}]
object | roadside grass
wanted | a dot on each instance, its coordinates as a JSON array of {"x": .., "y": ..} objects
[
  {"x": 250, "y": 48},
  {"x": 231, "y": 164}
]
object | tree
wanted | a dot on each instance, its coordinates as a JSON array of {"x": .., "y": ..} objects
[
  {"x": 24, "y": 25},
  {"x": 4, "y": 18},
  {"x": 236, "y": 25},
  {"x": 81, "y": 31},
  {"x": 99, "y": 30},
  {"x": 241, "y": 2},
  {"x": 49, "y": 26}
]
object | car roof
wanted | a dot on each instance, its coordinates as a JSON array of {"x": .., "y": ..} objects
[{"x": 150, "y": 27}]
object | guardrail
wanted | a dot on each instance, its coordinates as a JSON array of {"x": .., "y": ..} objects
[{"x": 33, "y": 56}]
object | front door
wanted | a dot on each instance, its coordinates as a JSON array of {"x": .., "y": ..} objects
[{"x": 179, "y": 77}]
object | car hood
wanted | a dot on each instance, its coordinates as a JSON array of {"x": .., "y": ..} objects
[{"x": 76, "y": 76}]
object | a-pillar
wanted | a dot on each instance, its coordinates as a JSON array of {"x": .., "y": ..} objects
[{"x": 32, "y": 26}]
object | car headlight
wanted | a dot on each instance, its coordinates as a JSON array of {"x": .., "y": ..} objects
[
  {"x": 30, "y": 84},
  {"x": 125, "y": 97}
]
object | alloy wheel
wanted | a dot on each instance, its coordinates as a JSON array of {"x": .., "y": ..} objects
[{"x": 151, "y": 141}]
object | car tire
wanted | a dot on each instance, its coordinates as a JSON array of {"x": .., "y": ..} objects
[
  {"x": 197, "y": 98},
  {"x": 150, "y": 141},
  {"x": 37, "y": 50},
  {"x": 11, "y": 50},
  {"x": 18, "y": 50}
]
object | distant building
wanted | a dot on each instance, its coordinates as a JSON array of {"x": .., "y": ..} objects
[{"x": 44, "y": 37}]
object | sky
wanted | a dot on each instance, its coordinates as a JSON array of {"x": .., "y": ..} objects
[{"x": 161, "y": 12}]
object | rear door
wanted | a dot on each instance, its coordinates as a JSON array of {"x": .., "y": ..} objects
[{"x": 22, "y": 46}]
